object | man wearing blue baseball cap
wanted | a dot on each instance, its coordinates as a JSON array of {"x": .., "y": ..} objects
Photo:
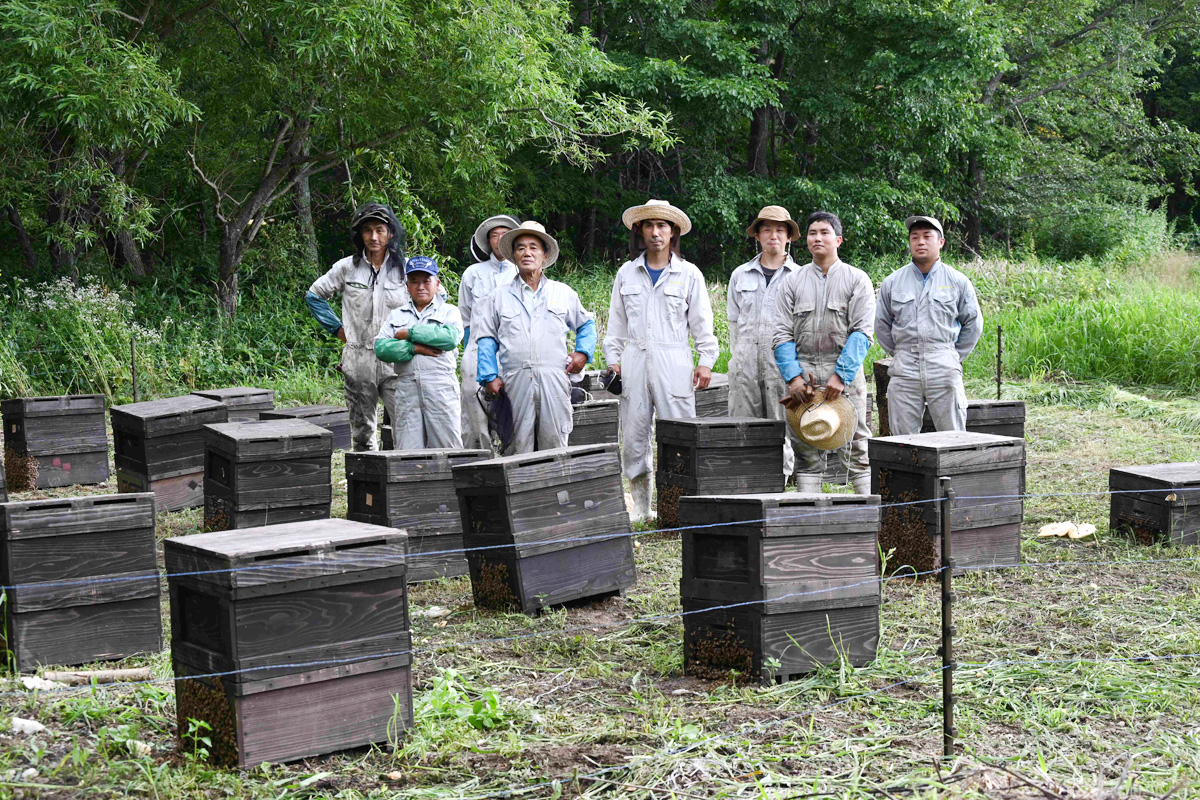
[{"x": 421, "y": 338}]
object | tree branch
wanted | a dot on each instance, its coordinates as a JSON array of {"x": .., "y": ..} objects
[
  {"x": 283, "y": 129},
  {"x": 217, "y": 211}
]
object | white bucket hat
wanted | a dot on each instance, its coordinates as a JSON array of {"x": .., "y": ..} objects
[
  {"x": 529, "y": 228},
  {"x": 480, "y": 239},
  {"x": 825, "y": 425},
  {"x": 657, "y": 209}
]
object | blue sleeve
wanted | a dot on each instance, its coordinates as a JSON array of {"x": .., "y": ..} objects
[
  {"x": 787, "y": 361},
  {"x": 324, "y": 313},
  {"x": 489, "y": 366},
  {"x": 585, "y": 339},
  {"x": 853, "y": 354},
  {"x": 466, "y": 335}
]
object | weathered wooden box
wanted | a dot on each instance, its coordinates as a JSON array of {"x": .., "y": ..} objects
[
  {"x": 1158, "y": 503},
  {"x": 879, "y": 371},
  {"x": 714, "y": 400},
  {"x": 245, "y": 403},
  {"x": 545, "y": 528},
  {"x": 592, "y": 384},
  {"x": 335, "y": 419},
  {"x": 987, "y": 474},
  {"x": 801, "y": 571},
  {"x": 997, "y": 417},
  {"x": 725, "y": 455},
  {"x": 595, "y": 422},
  {"x": 386, "y": 442},
  {"x": 266, "y": 473},
  {"x": 413, "y": 490},
  {"x": 85, "y": 577},
  {"x": 3, "y": 484},
  {"x": 308, "y": 623},
  {"x": 55, "y": 441},
  {"x": 159, "y": 447}
]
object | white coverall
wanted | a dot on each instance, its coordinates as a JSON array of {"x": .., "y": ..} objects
[
  {"x": 755, "y": 387},
  {"x": 478, "y": 281},
  {"x": 426, "y": 411},
  {"x": 929, "y": 324},
  {"x": 530, "y": 328},
  {"x": 367, "y": 300},
  {"x": 648, "y": 329}
]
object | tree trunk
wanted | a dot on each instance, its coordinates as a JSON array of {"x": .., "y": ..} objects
[
  {"x": 130, "y": 253},
  {"x": 973, "y": 213},
  {"x": 302, "y": 204},
  {"x": 227, "y": 270},
  {"x": 23, "y": 237}
]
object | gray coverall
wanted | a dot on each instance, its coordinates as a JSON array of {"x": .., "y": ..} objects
[
  {"x": 367, "y": 300},
  {"x": 818, "y": 311},
  {"x": 478, "y": 281},
  {"x": 929, "y": 324},
  {"x": 648, "y": 328}
]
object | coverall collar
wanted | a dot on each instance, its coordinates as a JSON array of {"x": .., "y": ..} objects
[
  {"x": 832, "y": 267},
  {"x": 788, "y": 263},
  {"x": 672, "y": 266},
  {"x": 439, "y": 297},
  {"x": 922, "y": 275}
]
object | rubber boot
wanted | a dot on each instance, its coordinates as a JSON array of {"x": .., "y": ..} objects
[
  {"x": 639, "y": 489},
  {"x": 808, "y": 483},
  {"x": 861, "y": 483}
]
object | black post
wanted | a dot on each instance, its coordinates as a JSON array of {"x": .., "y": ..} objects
[
  {"x": 133, "y": 364},
  {"x": 999, "y": 357},
  {"x": 948, "y": 731}
]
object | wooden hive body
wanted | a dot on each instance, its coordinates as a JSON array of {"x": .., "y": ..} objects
[
  {"x": 3, "y": 483},
  {"x": 593, "y": 385},
  {"x": 997, "y": 417},
  {"x": 595, "y": 422},
  {"x": 413, "y": 490},
  {"x": 266, "y": 473},
  {"x": 87, "y": 584},
  {"x": 245, "y": 403},
  {"x": 309, "y": 624},
  {"x": 530, "y": 512},
  {"x": 879, "y": 371},
  {"x": 335, "y": 419},
  {"x": 714, "y": 400},
  {"x": 55, "y": 441},
  {"x": 1157, "y": 503}
]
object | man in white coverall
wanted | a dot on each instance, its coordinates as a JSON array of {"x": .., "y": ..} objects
[
  {"x": 754, "y": 383},
  {"x": 824, "y": 315},
  {"x": 658, "y": 301},
  {"x": 522, "y": 331},
  {"x": 477, "y": 282},
  {"x": 421, "y": 338},
  {"x": 372, "y": 284},
  {"x": 928, "y": 319}
]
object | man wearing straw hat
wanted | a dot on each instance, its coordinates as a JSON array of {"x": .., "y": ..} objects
[
  {"x": 477, "y": 282},
  {"x": 928, "y": 320},
  {"x": 522, "y": 332},
  {"x": 658, "y": 300},
  {"x": 754, "y": 383},
  {"x": 824, "y": 316}
]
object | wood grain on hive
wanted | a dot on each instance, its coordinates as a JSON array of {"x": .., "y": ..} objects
[
  {"x": 595, "y": 422},
  {"x": 879, "y": 371},
  {"x": 713, "y": 401},
  {"x": 997, "y": 417},
  {"x": 55, "y": 441},
  {"x": 335, "y": 419},
  {"x": 1157, "y": 503},
  {"x": 245, "y": 403}
]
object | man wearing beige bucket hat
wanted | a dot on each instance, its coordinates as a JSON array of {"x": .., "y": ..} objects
[
  {"x": 823, "y": 321},
  {"x": 754, "y": 383},
  {"x": 658, "y": 301},
  {"x": 522, "y": 334}
]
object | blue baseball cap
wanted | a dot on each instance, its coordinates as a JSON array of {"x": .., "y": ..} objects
[{"x": 421, "y": 264}]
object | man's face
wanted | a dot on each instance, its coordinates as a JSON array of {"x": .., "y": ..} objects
[
  {"x": 772, "y": 236},
  {"x": 494, "y": 237},
  {"x": 925, "y": 244},
  {"x": 529, "y": 254},
  {"x": 822, "y": 239},
  {"x": 656, "y": 235},
  {"x": 422, "y": 287},
  {"x": 375, "y": 236}
]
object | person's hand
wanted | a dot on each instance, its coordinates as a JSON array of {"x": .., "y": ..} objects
[
  {"x": 425, "y": 350},
  {"x": 578, "y": 362},
  {"x": 702, "y": 377},
  {"x": 799, "y": 393},
  {"x": 341, "y": 334},
  {"x": 402, "y": 334},
  {"x": 494, "y": 386},
  {"x": 615, "y": 368},
  {"x": 834, "y": 387}
]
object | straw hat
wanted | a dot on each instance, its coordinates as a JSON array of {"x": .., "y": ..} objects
[
  {"x": 657, "y": 209},
  {"x": 529, "y": 228},
  {"x": 775, "y": 214},
  {"x": 823, "y": 425},
  {"x": 479, "y": 242}
]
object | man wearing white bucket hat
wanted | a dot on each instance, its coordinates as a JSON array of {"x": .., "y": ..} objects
[
  {"x": 522, "y": 333},
  {"x": 658, "y": 301}
]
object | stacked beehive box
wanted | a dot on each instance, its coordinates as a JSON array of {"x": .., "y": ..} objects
[
  {"x": 309, "y": 623},
  {"x": 413, "y": 490},
  {"x": 55, "y": 441},
  {"x": 245, "y": 403},
  {"x": 85, "y": 578},
  {"x": 159, "y": 448},
  {"x": 725, "y": 455},
  {"x": 713, "y": 401},
  {"x": 997, "y": 417},
  {"x": 554, "y": 524},
  {"x": 595, "y": 422},
  {"x": 987, "y": 473},
  {"x": 780, "y": 585},
  {"x": 1157, "y": 503},
  {"x": 3, "y": 483},
  {"x": 265, "y": 473},
  {"x": 880, "y": 373},
  {"x": 335, "y": 419}
]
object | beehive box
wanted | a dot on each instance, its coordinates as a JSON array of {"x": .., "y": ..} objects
[
  {"x": 266, "y": 473},
  {"x": 1158, "y": 503},
  {"x": 55, "y": 441},
  {"x": 801, "y": 572},
  {"x": 592, "y": 384},
  {"x": 880, "y": 372},
  {"x": 386, "y": 442},
  {"x": 309, "y": 623},
  {"x": 726, "y": 455},
  {"x": 595, "y": 422},
  {"x": 3, "y": 483},
  {"x": 997, "y": 417},
  {"x": 245, "y": 403},
  {"x": 714, "y": 400},
  {"x": 159, "y": 447},
  {"x": 987, "y": 474},
  {"x": 335, "y": 419},
  {"x": 85, "y": 577},
  {"x": 413, "y": 490},
  {"x": 554, "y": 526}
]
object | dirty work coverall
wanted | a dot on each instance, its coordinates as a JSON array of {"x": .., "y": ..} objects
[
  {"x": 478, "y": 281},
  {"x": 367, "y": 300},
  {"x": 523, "y": 338},
  {"x": 754, "y": 384},
  {"x": 426, "y": 411},
  {"x": 818, "y": 313},
  {"x": 929, "y": 324},
  {"x": 648, "y": 328}
]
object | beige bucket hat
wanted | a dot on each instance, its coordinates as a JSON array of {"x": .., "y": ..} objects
[
  {"x": 528, "y": 228},
  {"x": 825, "y": 425},
  {"x": 479, "y": 242},
  {"x": 775, "y": 214},
  {"x": 657, "y": 209}
]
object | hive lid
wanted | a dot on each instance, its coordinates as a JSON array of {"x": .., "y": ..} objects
[
  {"x": 411, "y": 465},
  {"x": 720, "y": 431},
  {"x": 240, "y": 396},
  {"x": 275, "y": 438},
  {"x": 543, "y": 468},
  {"x": 796, "y": 512},
  {"x": 1176, "y": 484},
  {"x": 948, "y": 450},
  {"x": 53, "y": 406},
  {"x": 170, "y": 415},
  {"x": 306, "y": 412},
  {"x": 71, "y": 515}
]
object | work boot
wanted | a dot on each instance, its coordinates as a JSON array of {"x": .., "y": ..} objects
[
  {"x": 639, "y": 489},
  {"x": 808, "y": 483},
  {"x": 861, "y": 483}
]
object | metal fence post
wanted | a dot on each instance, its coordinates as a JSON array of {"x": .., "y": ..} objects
[
  {"x": 949, "y": 733},
  {"x": 999, "y": 357}
]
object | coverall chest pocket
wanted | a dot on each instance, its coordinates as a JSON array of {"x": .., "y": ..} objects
[
  {"x": 394, "y": 292},
  {"x": 511, "y": 324},
  {"x": 556, "y": 321},
  {"x": 904, "y": 309},
  {"x": 634, "y": 300},
  {"x": 836, "y": 319},
  {"x": 945, "y": 309},
  {"x": 357, "y": 300},
  {"x": 749, "y": 301},
  {"x": 803, "y": 317},
  {"x": 676, "y": 303}
]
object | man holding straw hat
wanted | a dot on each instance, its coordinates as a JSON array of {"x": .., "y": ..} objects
[{"x": 658, "y": 301}]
